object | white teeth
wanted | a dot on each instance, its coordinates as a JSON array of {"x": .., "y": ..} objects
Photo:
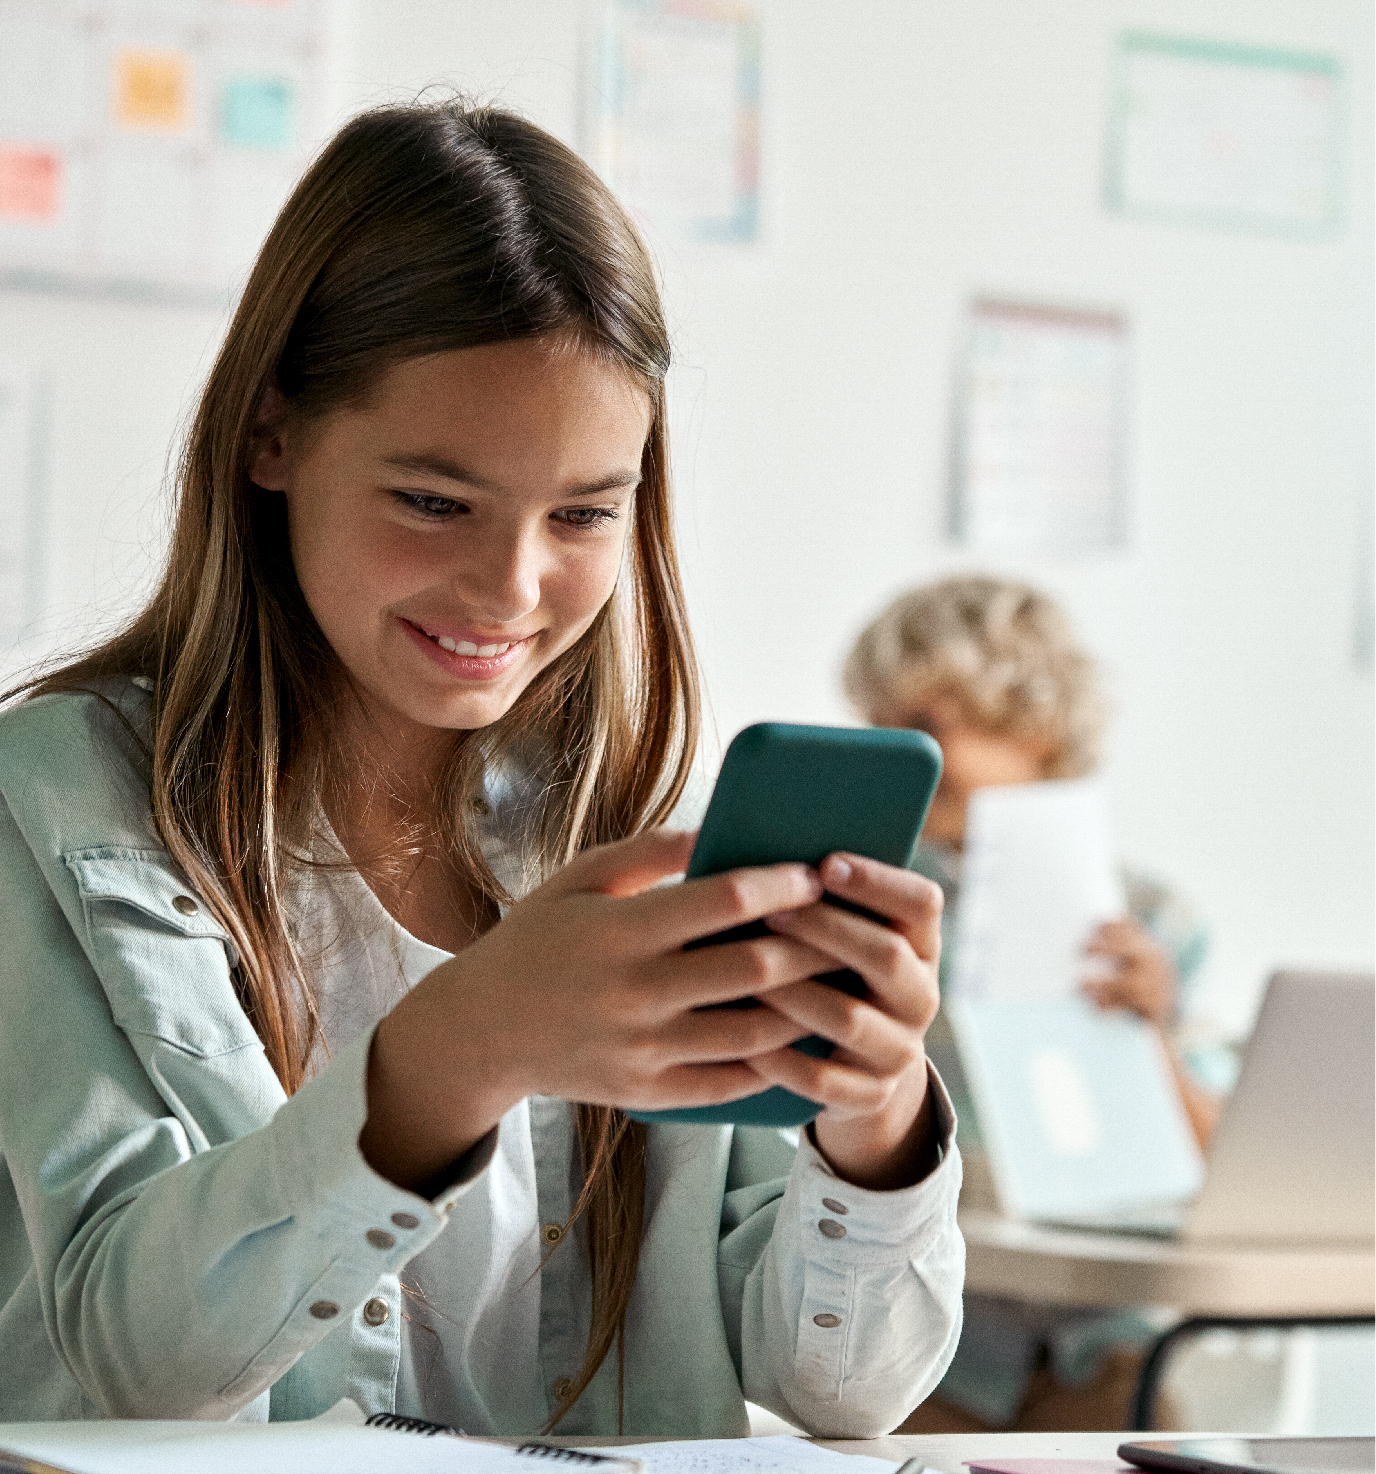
[{"x": 467, "y": 647}]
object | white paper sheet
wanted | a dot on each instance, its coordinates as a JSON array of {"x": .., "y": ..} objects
[
  {"x": 1038, "y": 877},
  {"x": 780, "y": 1455}
]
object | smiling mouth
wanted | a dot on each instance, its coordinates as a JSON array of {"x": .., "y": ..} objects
[{"x": 495, "y": 654}]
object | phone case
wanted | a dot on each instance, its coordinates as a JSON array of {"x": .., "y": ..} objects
[{"x": 790, "y": 792}]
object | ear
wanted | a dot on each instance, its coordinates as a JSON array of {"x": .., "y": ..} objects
[{"x": 269, "y": 467}]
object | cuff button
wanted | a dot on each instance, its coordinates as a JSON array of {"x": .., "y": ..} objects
[
  {"x": 185, "y": 905},
  {"x": 379, "y": 1238},
  {"x": 827, "y": 1322},
  {"x": 832, "y": 1229},
  {"x": 376, "y": 1311},
  {"x": 324, "y": 1310},
  {"x": 832, "y": 1206},
  {"x": 405, "y": 1220}
]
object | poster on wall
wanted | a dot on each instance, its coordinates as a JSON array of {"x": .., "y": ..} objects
[
  {"x": 1364, "y": 615},
  {"x": 1040, "y": 430},
  {"x": 672, "y": 114},
  {"x": 1233, "y": 136},
  {"x": 146, "y": 147},
  {"x": 19, "y": 503}
]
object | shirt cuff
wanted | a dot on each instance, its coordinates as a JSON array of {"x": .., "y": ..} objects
[
  {"x": 858, "y": 1225},
  {"x": 373, "y": 1226}
]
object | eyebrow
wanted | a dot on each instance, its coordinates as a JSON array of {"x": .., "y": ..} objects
[{"x": 437, "y": 465}]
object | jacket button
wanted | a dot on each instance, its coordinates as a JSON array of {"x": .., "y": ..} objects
[
  {"x": 376, "y": 1310},
  {"x": 552, "y": 1232},
  {"x": 832, "y": 1206},
  {"x": 324, "y": 1310},
  {"x": 379, "y": 1238},
  {"x": 562, "y": 1387},
  {"x": 827, "y": 1322},
  {"x": 405, "y": 1220},
  {"x": 185, "y": 905},
  {"x": 832, "y": 1229}
]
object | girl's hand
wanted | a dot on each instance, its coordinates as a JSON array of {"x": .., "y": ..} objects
[
  {"x": 1143, "y": 977},
  {"x": 878, "y": 1127},
  {"x": 583, "y": 991}
]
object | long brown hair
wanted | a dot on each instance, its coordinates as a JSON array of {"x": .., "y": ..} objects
[{"x": 419, "y": 229}]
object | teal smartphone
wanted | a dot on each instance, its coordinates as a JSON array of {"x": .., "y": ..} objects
[{"x": 799, "y": 793}]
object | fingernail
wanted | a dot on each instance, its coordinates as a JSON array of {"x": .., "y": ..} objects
[
  {"x": 837, "y": 870},
  {"x": 780, "y": 921}
]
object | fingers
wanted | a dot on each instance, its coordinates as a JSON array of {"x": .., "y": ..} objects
[
  {"x": 719, "y": 1034},
  {"x": 1148, "y": 996},
  {"x": 683, "y": 1086},
  {"x": 842, "y": 1089},
  {"x": 903, "y": 983},
  {"x": 736, "y": 970},
  {"x": 910, "y": 902},
  {"x": 699, "y": 908},
  {"x": 629, "y": 866},
  {"x": 1124, "y": 938},
  {"x": 871, "y": 1038}
]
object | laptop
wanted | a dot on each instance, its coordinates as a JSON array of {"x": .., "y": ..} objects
[{"x": 1291, "y": 1159}]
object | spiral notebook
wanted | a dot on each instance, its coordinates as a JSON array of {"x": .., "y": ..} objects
[{"x": 389, "y": 1446}]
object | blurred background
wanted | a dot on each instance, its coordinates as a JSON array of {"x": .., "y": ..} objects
[{"x": 905, "y": 177}]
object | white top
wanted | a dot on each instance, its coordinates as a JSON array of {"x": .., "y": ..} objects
[{"x": 488, "y": 1335}]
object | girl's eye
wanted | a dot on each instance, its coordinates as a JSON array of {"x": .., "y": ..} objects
[
  {"x": 427, "y": 504},
  {"x": 585, "y": 517}
]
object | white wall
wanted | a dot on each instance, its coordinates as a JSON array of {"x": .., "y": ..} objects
[{"x": 917, "y": 154}]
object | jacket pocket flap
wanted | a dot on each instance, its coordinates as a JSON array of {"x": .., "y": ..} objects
[
  {"x": 164, "y": 962},
  {"x": 148, "y": 881}
]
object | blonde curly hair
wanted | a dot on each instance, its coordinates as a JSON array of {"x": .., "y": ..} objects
[{"x": 1002, "y": 650}]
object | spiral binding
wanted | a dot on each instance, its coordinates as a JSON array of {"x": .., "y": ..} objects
[
  {"x": 564, "y": 1455},
  {"x": 400, "y": 1423}
]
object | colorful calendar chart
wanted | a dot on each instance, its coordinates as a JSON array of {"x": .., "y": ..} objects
[
  {"x": 147, "y": 145},
  {"x": 1040, "y": 429},
  {"x": 1239, "y": 137},
  {"x": 672, "y": 114}
]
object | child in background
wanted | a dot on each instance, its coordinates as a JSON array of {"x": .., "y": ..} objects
[
  {"x": 991, "y": 669},
  {"x": 333, "y": 944}
]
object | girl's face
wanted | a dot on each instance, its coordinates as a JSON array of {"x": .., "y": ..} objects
[{"x": 461, "y": 528}]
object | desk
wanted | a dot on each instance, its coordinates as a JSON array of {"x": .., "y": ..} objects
[
  {"x": 1064, "y": 1266},
  {"x": 947, "y": 1452},
  {"x": 1233, "y": 1284}
]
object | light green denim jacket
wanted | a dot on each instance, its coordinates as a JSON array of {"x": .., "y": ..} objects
[{"x": 179, "y": 1239}]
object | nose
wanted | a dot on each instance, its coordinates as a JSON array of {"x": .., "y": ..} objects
[{"x": 501, "y": 581}]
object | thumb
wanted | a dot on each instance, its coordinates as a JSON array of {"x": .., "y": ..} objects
[{"x": 629, "y": 866}]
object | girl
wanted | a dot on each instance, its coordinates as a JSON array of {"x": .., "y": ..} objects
[
  {"x": 991, "y": 668},
  {"x": 298, "y": 1100}
]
